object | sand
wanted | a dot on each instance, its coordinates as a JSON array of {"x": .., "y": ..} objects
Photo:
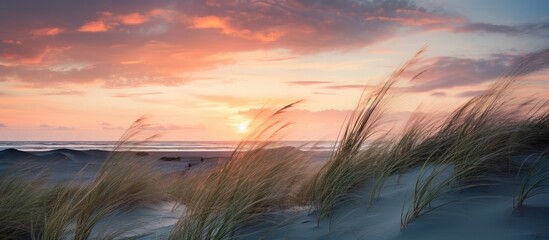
[
  {"x": 66, "y": 164},
  {"x": 481, "y": 213}
]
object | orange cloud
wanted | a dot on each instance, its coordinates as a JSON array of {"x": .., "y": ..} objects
[
  {"x": 269, "y": 35},
  {"x": 215, "y": 22},
  {"x": 94, "y": 26},
  {"x": 131, "y": 62},
  {"x": 32, "y": 58},
  {"x": 35, "y": 59},
  {"x": 47, "y": 31},
  {"x": 134, "y": 19},
  {"x": 108, "y": 20},
  {"x": 182, "y": 39}
]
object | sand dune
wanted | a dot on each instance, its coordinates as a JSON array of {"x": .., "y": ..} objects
[
  {"x": 484, "y": 212},
  {"x": 479, "y": 213}
]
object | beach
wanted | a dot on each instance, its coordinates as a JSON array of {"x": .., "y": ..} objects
[
  {"x": 153, "y": 221},
  {"x": 483, "y": 212}
]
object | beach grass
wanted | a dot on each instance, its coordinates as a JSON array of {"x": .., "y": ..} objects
[
  {"x": 18, "y": 204},
  {"x": 258, "y": 178},
  {"x": 122, "y": 182},
  {"x": 347, "y": 166},
  {"x": 535, "y": 182},
  {"x": 478, "y": 138},
  {"x": 72, "y": 210}
]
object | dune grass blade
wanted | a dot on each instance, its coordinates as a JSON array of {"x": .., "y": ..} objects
[
  {"x": 429, "y": 186},
  {"x": 256, "y": 179},
  {"x": 346, "y": 168},
  {"x": 535, "y": 182},
  {"x": 463, "y": 160}
]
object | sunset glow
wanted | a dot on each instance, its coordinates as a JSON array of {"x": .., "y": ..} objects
[
  {"x": 243, "y": 127},
  {"x": 85, "y": 70}
]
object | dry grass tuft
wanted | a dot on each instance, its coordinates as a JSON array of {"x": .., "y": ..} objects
[
  {"x": 347, "y": 167},
  {"x": 258, "y": 178}
]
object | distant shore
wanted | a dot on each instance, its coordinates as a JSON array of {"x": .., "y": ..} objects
[
  {"x": 63, "y": 164},
  {"x": 153, "y": 146}
]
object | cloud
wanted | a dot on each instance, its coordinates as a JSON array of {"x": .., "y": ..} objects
[
  {"x": 58, "y": 128},
  {"x": 108, "y": 21},
  {"x": 134, "y": 18},
  {"x": 129, "y": 95},
  {"x": 312, "y": 26},
  {"x": 346, "y": 86},
  {"x": 128, "y": 44},
  {"x": 108, "y": 126},
  {"x": 11, "y": 41},
  {"x": 449, "y": 72},
  {"x": 62, "y": 93},
  {"x": 307, "y": 83},
  {"x": 52, "y": 31},
  {"x": 171, "y": 127},
  {"x": 94, "y": 26},
  {"x": 214, "y": 22},
  {"x": 439, "y": 94},
  {"x": 541, "y": 28},
  {"x": 279, "y": 59},
  {"x": 472, "y": 93},
  {"x": 2, "y": 125},
  {"x": 323, "y": 93}
]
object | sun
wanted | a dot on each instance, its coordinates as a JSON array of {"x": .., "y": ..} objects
[{"x": 243, "y": 127}]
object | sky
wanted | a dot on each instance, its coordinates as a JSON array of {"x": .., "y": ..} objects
[{"x": 201, "y": 70}]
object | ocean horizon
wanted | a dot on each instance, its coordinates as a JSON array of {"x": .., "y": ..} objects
[{"x": 153, "y": 146}]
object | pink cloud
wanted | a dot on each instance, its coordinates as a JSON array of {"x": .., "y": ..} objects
[
  {"x": 154, "y": 43},
  {"x": 540, "y": 28},
  {"x": 134, "y": 18},
  {"x": 58, "y": 128},
  {"x": 108, "y": 20},
  {"x": 47, "y": 31},
  {"x": 11, "y": 41},
  {"x": 308, "y": 83},
  {"x": 212, "y": 22},
  {"x": 208, "y": 22},
  {"x": 29, "y": 58},
  {"x": 448, "y": 72},
  {"x": 346, "y": 86},
  {"x": 34, "y": 59},
  {"x": 94, "y": 26}
]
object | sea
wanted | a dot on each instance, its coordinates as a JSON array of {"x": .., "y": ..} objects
[{"x": 160, "y": 146}]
